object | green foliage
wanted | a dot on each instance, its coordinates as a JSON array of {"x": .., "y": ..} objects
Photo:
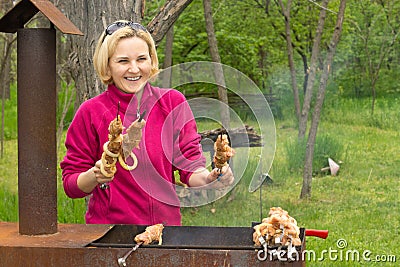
[
  {"x": 251, "y": 39},
  {"x": 10, "y": 118},
  {"x": 11, "y": 113},
  {"x": 190, "y": 37},
  {"x": 368, "y": 50},
  {"x": 326, "y": 146},
  {"x": 8, "y": 182},
  {"x": 280, "y": 84},
  {"x": 64, "y": 104},
  {"x": 9, "y": 209},
  {"x": 357, "y": 112},
  {"x": 69, "y": 210}
]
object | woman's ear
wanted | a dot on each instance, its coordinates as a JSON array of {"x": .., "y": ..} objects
[
  {"x": 108, "y": 72},
  {"x": 107, "y": 77}
]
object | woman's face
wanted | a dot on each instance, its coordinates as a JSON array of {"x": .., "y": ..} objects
[{"x": 130, "y": 65}]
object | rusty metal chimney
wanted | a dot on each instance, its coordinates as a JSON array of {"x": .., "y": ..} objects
[{"x": 37, "y": 154}]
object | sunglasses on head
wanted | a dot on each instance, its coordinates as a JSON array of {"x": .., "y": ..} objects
[{"x": 113, "y": 27}]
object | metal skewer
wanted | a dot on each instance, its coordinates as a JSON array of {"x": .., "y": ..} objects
[
  {"x": 122, "y": 260},
  {"x": 118, "y": 110},
  {"x": 142, "y": 116},
  {"x": 105, "y": 186}
]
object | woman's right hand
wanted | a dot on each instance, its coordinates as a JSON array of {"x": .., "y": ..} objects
[
  {"x": 100, "y": 178},
  {"x": 87, "y": 181}
]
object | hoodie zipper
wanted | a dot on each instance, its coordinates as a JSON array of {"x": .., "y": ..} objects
[{"x": 150, "y": 200}]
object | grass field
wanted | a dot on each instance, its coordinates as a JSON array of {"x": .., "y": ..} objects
[{"x": 360, "y": 207}]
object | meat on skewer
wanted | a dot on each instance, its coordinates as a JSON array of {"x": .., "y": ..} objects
[
  {"x": 279, "y": 228},
  {"x": 132, "y": 137},
  {"x": 112, "y": 148},
  {"x": 223, "y": 152},
  {"x": 152, "y": 233},
  {"x": 119, "y": 146}
]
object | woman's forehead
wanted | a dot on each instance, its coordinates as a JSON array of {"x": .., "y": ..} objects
[{"x": 131, "y": 45}]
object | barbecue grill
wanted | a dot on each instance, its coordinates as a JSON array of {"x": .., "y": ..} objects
[
  {"x": 79, "y": 245},
  {"x": 192, "y": 246}
]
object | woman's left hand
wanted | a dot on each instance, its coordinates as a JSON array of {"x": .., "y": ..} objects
[{"x": 221, "y": 178}]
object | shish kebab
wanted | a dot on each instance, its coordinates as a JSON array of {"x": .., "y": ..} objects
[
  {"x": 222, "y": 152},
  {"x": 119, "y": 146}
]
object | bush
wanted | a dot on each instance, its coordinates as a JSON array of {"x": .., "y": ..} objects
[{"x": 325, "y": 147}]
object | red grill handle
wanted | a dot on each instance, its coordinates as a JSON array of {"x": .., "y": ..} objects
[{"x": 318, "y": 233}]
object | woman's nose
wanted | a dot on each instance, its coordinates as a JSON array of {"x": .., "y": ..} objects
[{"x": 133, "y": 67}]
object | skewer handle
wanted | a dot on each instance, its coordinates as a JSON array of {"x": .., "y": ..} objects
[
  {"x": 142, "y": 116},
  {"x": 122, "y": 260},
  {"x": 104, "y": 186},
  {"x": 318, "y": 233}
]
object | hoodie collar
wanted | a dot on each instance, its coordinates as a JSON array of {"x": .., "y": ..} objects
[{"x": 125, "y": 99}]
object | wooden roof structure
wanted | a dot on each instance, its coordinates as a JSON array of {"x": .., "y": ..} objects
[{"x": 24, "y": 10}]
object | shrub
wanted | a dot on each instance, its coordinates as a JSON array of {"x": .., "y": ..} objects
[{"x": 326, "y": 146}]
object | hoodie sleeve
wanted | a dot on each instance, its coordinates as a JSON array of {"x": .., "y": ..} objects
[
  {"x": 82, "y": 151},
  {"x": 188, "y": 154}
]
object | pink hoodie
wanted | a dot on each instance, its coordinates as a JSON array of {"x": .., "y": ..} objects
[{"x": 170, "y": 142}]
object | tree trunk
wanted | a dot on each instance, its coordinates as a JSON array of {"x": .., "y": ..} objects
[
  {"x": 374, "y": 70},
  {"x": 307, "y": 175},
  {"x": 167, "y": 16},
  {"x": 312, "y": 72},
  {"x": 286, "y": 14},
  {"x": 218, "y": 71},
  {"x": 91, "y": 17},
  {"x": 7, "y": 46},
  {"x": 373, "y": 90},
  {"x": 169, "y": 41}
]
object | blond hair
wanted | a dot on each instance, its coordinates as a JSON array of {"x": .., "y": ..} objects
[{"x": 107, "y": 44}]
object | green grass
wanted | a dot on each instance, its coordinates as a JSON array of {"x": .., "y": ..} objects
[{"x": 360, "y": 205}]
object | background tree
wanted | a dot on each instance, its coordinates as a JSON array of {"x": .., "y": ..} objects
[
  {"x": 91, "y": 17},
  {"x": 5, "y": 77},
  {"x": 376, "y": 30},
  {"x": 289, "y": 47},
  {"x": 307, "y": 174},
  {"x": 7, "y": 47},
  {"x": 218, "y": 71},
  {"x": 312, "y": 71},
  {"x": 167, "y": 62}
]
